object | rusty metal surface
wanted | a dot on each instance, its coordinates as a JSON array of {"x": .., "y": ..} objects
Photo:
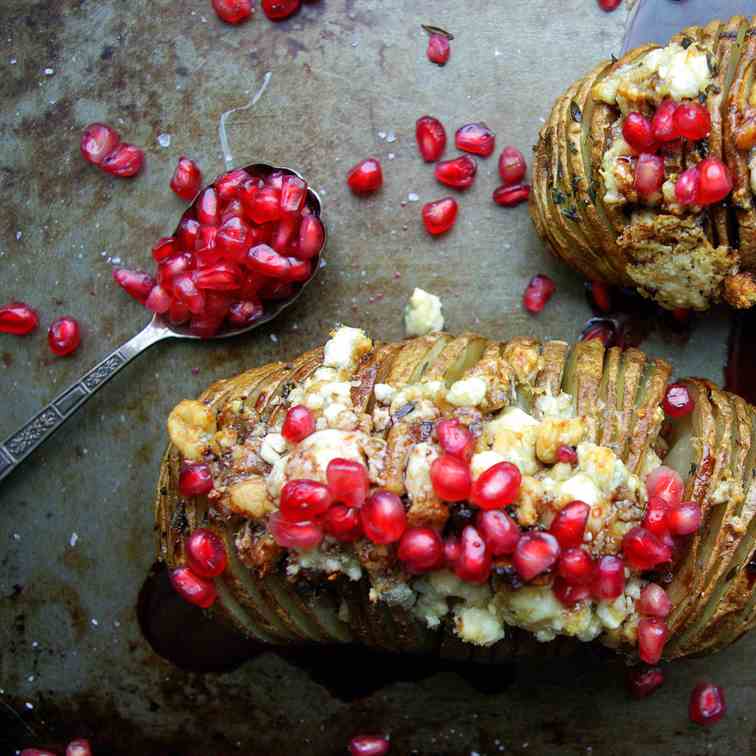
[{"x": 76, "y": 536}]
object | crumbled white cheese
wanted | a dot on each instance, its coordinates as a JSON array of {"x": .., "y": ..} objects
[
  {"x": 478, "y": 626},
  {"x": 619, "y": 149},
  {"x": 512, "y": 433},
  {"x": 602, "y": 466},
  {"x": 435, "y": 588},
  {"x": 345, "y": 347},
  {"x": 384, "y": 393},
  {"x": 328, "y": 562},
  {"x": 556, "y": 407},
  {"x": 481, "y": 461},
  {"x": 311, "y": 457},
  {"x": 724, "y": 491},
  {"x": 580, "y": 487},
  {"x": 433, "y": 391},
  {"x": 417, "y": 478},
  {"x": 273, "y": 446},
  {"x": 422, "y": 315},
  {"x": 467, "y": 392}
]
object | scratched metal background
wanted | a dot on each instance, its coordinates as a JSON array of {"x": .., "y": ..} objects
[{"x": 72, "y": 658}]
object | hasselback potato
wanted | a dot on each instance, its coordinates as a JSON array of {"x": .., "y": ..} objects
[
  {"x": 645, "y": 171},
  {"x": 560, "y": 425}
]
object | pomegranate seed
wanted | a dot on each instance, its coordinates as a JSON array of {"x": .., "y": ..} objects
[
  {"x": 439, "y": 49},
  {"x": 205, "y": 326},
  {"x": 369, "y": 745},
  {"x": 654, "y": 602},
  {"x": 193, "y": 588},
  {"x": 233, "y": 238},
  {"x": 124, "y": 161},
  {"x": 431, "y": 138},
  {"x": 299, "y": 270},
  {"x": 244, "y": 313},
  {"x": 440, "y": 216},
  {"x": 275, "y": 180},
  {"x": 263, "y": 259},
  {"x": 97, "y": 142},
  {"x": 638, "y": 132},
  {"x": 652, "y": 635},
  {"x": 681, "y": 315},
  {"x": 229, "y": 185},
  {"x": 643, "y": 550},
  {"x": 173, "y": 267},
  {"x": 643, "y": 681},
  {"x": 575, "y": 566},
  {"x": 655, "y": 518},
  {"x": 663, "y": 122},
  {"x": 284, "y": 233},
  {"x": 476, "y": 138},
  {"x": 383, "y": 517},
  {"x": 188, "y": 232},
  {"x": 512, "y": 166},
  {"x": 692, "y": 121},
  {"x": 365, "y": 177},
  {"x": 568, "y": 526},
  {"x": 715, "y": 182},
  {"x": 278, "y": 10},
  {"x": 343, "y": 523},
  {"x": 304, "y": 500},
  {"x": 601, "y": 331},
  {"x": 539, "y": 291},
  {"x": 665, "y": 483},
  {"x": 458, "y": 173},
  {"x": 276, "y": 290},
  {"x": 164, "y": 248},
  {"x": 450, "y": 477},
  {"x": 600, "y": 295},
  {"x": 567, "y": 455},
  {"x": 298, "y": 424},
  {"x": 233, "y": 11},
  {"x": 649, "y": 174},
  {"x": 497, "y": 486},
  {"x": 455, "y": 439},
  {"x": 205, "y": 553},
  {"x": 294, "y": 535},
  {"x": 347, "y": 481},
  {"x": 159, "y": 300},
  {"x": 35, "y": 752},
  {"x": 207, "y": 208},
  {"x": 686, "y": 186},
  {"x": 217, "y": 304},
  {"x": 707, "y": 704},
  {"x": 452, "y": 550},
  {"x": 79, "y": 747},
  {"x": 187, "y": 179},
  {"x": 677, "y": 401},
  {"x": 18, "y": 319},
  {"x": 499, "y": 531},
  {"x": 421, "y": 550},
  {"x": 186, "y": 290},
  {"x": 511, "y": 196},
  {"x": 293, "y": 194},
  {"x": 311, "y": 237},
  {"x": 569, "y": 595},
  {"x": 609, "y": 5},
  {"x": 608, "y": 578},
  {"x": 535, "y": 554},
  {"x": 684, "y": 519},
  {"x": 265, "y": 206},
  {"x": 195, "y": 479},
  {"x": 221, "y": 277},
  {"x": 64, "y": 336},
  {"x": 473, "y": 565}
]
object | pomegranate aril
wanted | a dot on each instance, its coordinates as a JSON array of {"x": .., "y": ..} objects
[
  {"x": 164, "y": 248},
  {"x": 298, "y": 424},
  {"x": 641, "y": 682},
  {"x": 217, "y": 304},
  {"x": 431, "y": 138},
  {"x": 600, "y": 295},
  {"x": 64, "y": 336},
  {"x": 654, "y": 602},
  {"x": 569, "y": 595},
  {"x": 473, "y": 565},
  {"x": 458, "y": 173},
  {"x": 652, "y": 635},
  {"x": 233, "y": 11},
  {"x": 511, "y": 196},
  {"x": 294, "y": 535},
  {"x": 347, "y": 481},
  {"x": 575, "y": 566},
  {"x": 205, "y": 553},
  {"x": 265, "y": 260},
  {"x": 663, "y": 122},
  {"x": 440, "y": 216},
  {"x": 343, "y": 523},
  {"x": 174, "y": 266},
  {"x": 159, "y": 300},
  {"x": 535, "y": 554},
  {"x": 539, "y": 291},
  {"x": 186, "y": 179},
  {"x": 649, "y": 174},
  {"x": 178, "y": 313},
  {"x": 193, "y": 588},
  {"x": 223, "y": 277},
  {"x": 686, "y": 186},
  {"x": 369, "y": 745},
  {"x": 451, "y": 478},
  {"x": 609, "y": 5},
  {"x": 692, "y": 121},
  {"x": 207, "y": 208},
  {"x": 278, "y": 10},
  {"x": 284, "y": 233},
  {"x": 452, "y": 550},
  {"x": 665, "y": 483},
  {"x": 299, "y": 270},
  {"x": 97, "y": 142},
  {"x": 655, "y": 518},
  {"x": 455, "y": 439},
  {"x": 567, "y": 455},
  {"x": 293, "y": 194},
  {"x": 365, "y": 177},
  {"x": 234, "y": 209},
  {"x": 476, "y": 138},
  {"x": 684, "y": 519},
  {"x": 512, "y": 166},
  {"x": 677, "y": 401},
  {"x": 18, "y": 319},
  {"x": 421, "y": 550},
  {"x": 439, "y": 49},
  {"x": 707, "y": 704},
  {"x": 265, "y": 205},
  {"x": 276, "y": 180},
  {"x": 233, "y": 238},
  {"x": 304, "y": 500},
  {"x": 499, "y": 531},
  {"x": 568, "y": 527},
  {"x": 638, "y": 132},
  {"x": 715, "y": 181},
  {"x": 276, "y": 291},
  {"x": 136, "y": 283},
  {"x": 205, "y": 326},
  {"x": 79, "y": 747},
  {"x": 124, "y": 161},
  {"x": 228, "y": 186},
  {"x": 643, "y": 550},
  {"x": 188, "y": 232},
  {"x": 186, "y": 290},
  {"x": 35, "y": 752},
  {"x": 602, "y": 332},
  {"x": 195, "y": 479},
  {"x": 608, "y": 578},
  {"x": 383, "y": 517},
  {"x": 311, "y": 237},
  {"x": 497, "y": 486}
]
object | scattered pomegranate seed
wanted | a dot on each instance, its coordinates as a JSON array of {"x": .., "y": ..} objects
[
  {"x": 499, "y": 531},
  {"x": 233, "y": 11},
  {"x": 476, "y": 138},
  {"x": 440, "y": 216},
  {"x": 229, "y": 185},
  {"x": 278, "y": 10},
  {"x": 347, "y": 481},
  {"x": 207, "y": 208},
  {"x": 575, "y": 566},
  {"x": 97, "y": 142},
  {"x": 654, "y": 602},
  {"x": 684, "y": 519},
  {"x": 568, "y": 594},
  {"x": 638, "y": 132},
  {"x": 458, "y": 173},
  {"x": 652, "y": 635},
  {"x": 421, "y": 550},
  {"x": 64, "y": 336},
  {"x": 535, "y": 554},
  {"x": 568, "y": 527},
  {"x": 608, "y": 578},
  {"x": 298, "y": 424},
  {"x": 383, "y": 517},
  {"x": 431, "y": 138},
  {"x": 187, "y": 178},
  {"x": 124, "y": 161},
  {"x": 567, "y": 455},
  {"x": 294, "y": 535},
  {"x": 677, "y": 401},
  {"x": 193, "y": 588},
  {"x": 455, "y": 439},
  {"x": 369, "y": 745},
  {"x": 195, "y": 479},
  {"x": 665, "y": 483},
  {"x": 707, "y": 704},
  {"x": 539, "y": 291},
  {"x": 715, "y": 182},
  {"x": 663, "y": 122},
  {"x": 35, "y": 752},
  {"x": 365, "y": 177},
  {"x": 643, "y": 550},
  {"x": 643, "y": 681},
  {"x": 134, "y": 282},
  {"x": 649, "y": 174},
  {"x": 304, "y": 500},
  {"x": 603, "y": 332},
  {"x": 686, "y": 186},
  {"x": 311, "y": 237},
  {"x": 343, "y": 523},
  {"x": 18, "y": 319},
  {"x": 512, "y": 166},
  {"x": 450, "y": 477},
  {"x": 600, "y": 295},
  {"x": 473, "y": 564},
  {"x": 609, "y": 5},
  {"x": 497, "y": 486},
  {"x": 439, "y": 49},
  {"x": 692, "y": 121},
  {"x": 681, "y": 315},
  {"x": 655, "y": 518},
  {"x": 205, "y": 553},
  {"x": 511, "y": 196},
  {"x": 79, "y": 747}
]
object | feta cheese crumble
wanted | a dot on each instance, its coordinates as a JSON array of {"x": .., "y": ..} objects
[{"x": 422, "y": 315}]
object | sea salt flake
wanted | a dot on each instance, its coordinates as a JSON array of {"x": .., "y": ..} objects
[
  {"x": 49, "y": 72},
  {"x": 391, "y": 136},
  {"x": 164, "y": 140},
  {"x": 412, "y": 197},
  {"x": 274, "y": 338},
  {"x": 73, "y": 539}
]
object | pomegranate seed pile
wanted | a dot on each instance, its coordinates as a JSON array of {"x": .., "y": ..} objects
[{"x": 79, "y": 747}]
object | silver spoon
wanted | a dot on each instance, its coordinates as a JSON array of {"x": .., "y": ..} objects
[{"x": 19, "y": 445}]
